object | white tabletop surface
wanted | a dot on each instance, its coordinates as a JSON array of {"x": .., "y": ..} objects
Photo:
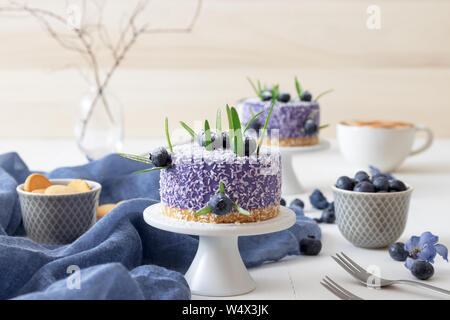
[{"x": 298, "y": 277}]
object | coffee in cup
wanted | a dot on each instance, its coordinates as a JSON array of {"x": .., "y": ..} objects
[{"x": 382, "y": 144}]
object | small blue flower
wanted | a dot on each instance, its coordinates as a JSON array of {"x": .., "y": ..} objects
[
  {"x": 375, "y": 171},
  {"x": 424, "y": 248}
]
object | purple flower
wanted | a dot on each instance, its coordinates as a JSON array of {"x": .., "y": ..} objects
[
  {"x": 424, "y": 248},
  {"x": 375, "y": 171}
]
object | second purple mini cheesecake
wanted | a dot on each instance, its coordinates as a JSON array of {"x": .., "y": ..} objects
[
  {"x": 253, "y": 183},
  {"x": 294, "y": 122},
  {"x": 288, "y": 118}
]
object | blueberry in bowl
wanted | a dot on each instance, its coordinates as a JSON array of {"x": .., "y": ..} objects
[{"x": 374, "y": 213}]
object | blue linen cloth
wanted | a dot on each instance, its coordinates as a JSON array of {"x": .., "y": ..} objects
[{"x": 120, "y": 257}]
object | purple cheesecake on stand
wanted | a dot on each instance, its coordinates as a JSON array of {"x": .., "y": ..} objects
[
  {"x": 253, "y": 183},
  {"x": 221, "y": 177},
  {"x": 294, "y": 122},
  {"x": 287, "y": 121}
]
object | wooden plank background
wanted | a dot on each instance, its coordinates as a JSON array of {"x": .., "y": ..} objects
[{"x": 401, "y": 71}]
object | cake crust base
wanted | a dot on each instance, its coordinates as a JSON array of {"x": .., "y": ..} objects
[
  {"x": 293, "y": 142},
  {"x": 232, "y": 217}
]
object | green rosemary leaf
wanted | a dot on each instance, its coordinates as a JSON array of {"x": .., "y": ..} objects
[
  {"x": 275, "y": 92},
  {"x": 152, "y": 169},
  {"x": 312, "y": 115},
  {"x": 241, "y": 210},
  {"x": 238, "y": 137},
  {"x": 298, "y": 88},
  {"x": 252, "y": 119},
  {"x": 221, "y": 187},
  {"x": 323, "y": 127},
  {"x": 251, "y": 111},
  {"x": 135, "y": 158},
  {"x": 208, "y": 142},
  {"x": 261, "y": 139},
  {"x": 230, "y": 123},
  {"x": 259, "y": 88},
  {"x": 322, "y": 94},
  {"x": 258, "y": 92},
  {"x": 219, "y": 121},
  {"x": 188, "y": 129},
  {"x": 203, "y": 211},
  {"x": 167, "y": 135}
]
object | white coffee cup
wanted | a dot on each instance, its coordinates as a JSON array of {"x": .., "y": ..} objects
[{"x": 382, "y": 147}]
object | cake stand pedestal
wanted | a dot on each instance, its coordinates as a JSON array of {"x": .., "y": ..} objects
[
  {"x": 291, "y": 185},
  {"x": 218, "y": 269}
]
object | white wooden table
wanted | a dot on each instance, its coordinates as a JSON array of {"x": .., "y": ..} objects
[{"x": 298, "y": 277}]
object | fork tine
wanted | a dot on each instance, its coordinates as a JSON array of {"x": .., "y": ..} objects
[
  {"x": 334, "y": 291},
  {"x": 348, "y": 265},
  {"x": 348, "y": 293},
  {"x": 357, "y": 266},
  {"x": 342, "y": 265}
]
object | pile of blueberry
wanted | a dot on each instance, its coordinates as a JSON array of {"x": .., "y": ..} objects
[
  {"x": 222, "y": 141},
  {"x": 318, "y": 201},
  {"x": 378, "y": 183}
]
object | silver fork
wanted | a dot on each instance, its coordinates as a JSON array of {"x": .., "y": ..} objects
[
  {"x": 363, "y": 276},
  {"x": 337, "y": 290}
]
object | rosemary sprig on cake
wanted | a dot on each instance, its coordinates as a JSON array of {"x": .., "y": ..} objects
[
  {"x": 159, "y": 157},
  {"x": 310, "y": 127},
  {"x": 266, "y": 94},
  {"x": 261, "y": 139}
]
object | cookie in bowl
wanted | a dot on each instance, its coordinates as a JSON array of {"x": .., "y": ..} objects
[{"x": 54, "y": 212}]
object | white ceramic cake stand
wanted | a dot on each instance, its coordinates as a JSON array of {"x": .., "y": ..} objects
[
  {"x": 290, "y": 184},
  {"x": 217, "y": 269}
]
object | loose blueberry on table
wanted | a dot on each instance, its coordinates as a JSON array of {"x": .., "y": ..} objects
[
  {"x": 422, "y": 270},
  {"x": 298, "y": 210},
  {"x": 298, "y": 203},
  {"x": 318, "y": 200},
  {"x": 397, "y": 251},
  {"x": 310, "y": 246},
  {"x": 419, "y": 254},
  {"x": 328, "y": 216}
]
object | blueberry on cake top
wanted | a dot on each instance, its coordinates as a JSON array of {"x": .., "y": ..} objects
[
  {"x": 222, "y": 177},
  {"x": 294, "y": 121}
]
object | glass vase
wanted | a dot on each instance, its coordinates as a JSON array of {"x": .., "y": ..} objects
[{"x": 99, "y": 124}]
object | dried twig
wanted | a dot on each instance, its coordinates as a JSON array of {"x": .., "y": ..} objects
[{"x": 83, "y": 38}]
